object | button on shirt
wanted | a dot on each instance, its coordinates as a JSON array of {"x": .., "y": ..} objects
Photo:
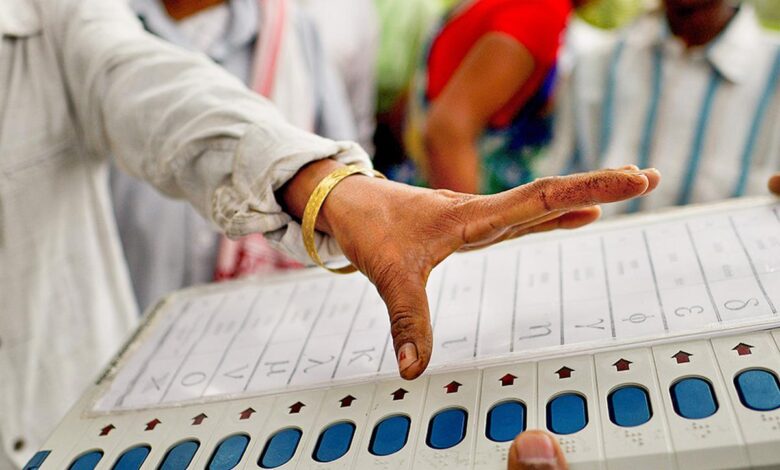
[
  {"x": 706, "y": 117},
  {"x": 82, "y": 80}
]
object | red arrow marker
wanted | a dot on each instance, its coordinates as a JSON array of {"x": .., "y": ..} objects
[
  {"x": 107, "y": 430},
  {"x": 152, "y": 424},
  {"x": 295, "y": 408},
  {"x": 399, "y": 394},
  {"x": 507, "y": 380},
  {"x": 743, "y": 349},
  {"x": 346, "y": 402},
  {"x": 247, "y": 413},
  {"x": 622, "y": 365},
  {"x": 196, "y": 421},
  {"x": 564, "y": 372},
  {"x": 452, "y": 387},
  {"x": 682, "y": 357}
]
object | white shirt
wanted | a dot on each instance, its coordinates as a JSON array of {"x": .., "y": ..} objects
[
  {"x": 708, "y": 118},
  {"x": 167, "y": 244},
  {"x": 350, "y": 36},
  {"x": 81, "y": 80}
]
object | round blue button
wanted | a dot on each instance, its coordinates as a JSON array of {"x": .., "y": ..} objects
[
  {"x": 629, "y": 406},
  {"x": 132, "y": 459},
  {"x": 280, "y": 448},
  {"x": 758, "y": 389},
  {"x": 567, "y": 413},
  {"x": 505, "y": 421},
  {"x": 389, "y": 435},
  {"x": 334, "y": 442},
  {"x": 693, "y": 398},
  {"x": 229, "y": 452},
  {"x": 87, "y": 461},
  {"x": 180, "y": 456},
  {"x": 447, "y": 428}
]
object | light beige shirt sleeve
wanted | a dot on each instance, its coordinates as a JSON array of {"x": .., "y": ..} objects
[{"x": 183, "y": 124}]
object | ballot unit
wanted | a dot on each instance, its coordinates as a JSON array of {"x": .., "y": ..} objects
[{"x": 648, "y": 342}]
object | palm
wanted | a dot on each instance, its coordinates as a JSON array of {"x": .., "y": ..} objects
[{"x": 400, "y": 233}]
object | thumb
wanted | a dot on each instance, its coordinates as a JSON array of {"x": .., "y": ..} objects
[
  {"x": 536, "y": 450},
  {"x": 410, "y": 324}
]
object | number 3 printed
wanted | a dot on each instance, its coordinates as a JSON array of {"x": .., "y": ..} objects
[{"x": 685, "y": 311}]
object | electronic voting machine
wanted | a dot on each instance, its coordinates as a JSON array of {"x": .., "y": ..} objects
[{"x": 642, "y": 343}]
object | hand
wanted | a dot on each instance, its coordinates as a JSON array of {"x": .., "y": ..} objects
[
  {"x": 774, "y": 184},
  {"x": 396, "y": 234},
  {"x": 535, "y": 450}
]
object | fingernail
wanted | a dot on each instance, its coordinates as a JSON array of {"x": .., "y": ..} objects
[
  {"x": 407, "y": 355},
  {"x": 536, "y": 450}
]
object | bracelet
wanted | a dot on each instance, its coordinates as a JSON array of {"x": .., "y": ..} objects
[{"x": 314, "y": 205}]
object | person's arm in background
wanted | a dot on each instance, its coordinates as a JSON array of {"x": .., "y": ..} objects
[
  {"x": 492, "y": 73},
  {"x": 181, "y": 123}
]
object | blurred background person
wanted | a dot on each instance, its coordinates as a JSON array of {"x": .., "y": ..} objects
[
  {"x": 404, "y": 28},
  {"x": 274, "y": 48},
  {"x": 479, "y": 113},
  {"x": 690, "y": 89},
  {"x": 349, "y": 30}
]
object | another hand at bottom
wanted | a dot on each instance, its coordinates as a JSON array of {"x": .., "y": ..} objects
[{"x": 535, "y": 450}]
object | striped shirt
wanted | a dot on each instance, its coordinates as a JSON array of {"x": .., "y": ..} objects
[{"x": 706, "y": 117}]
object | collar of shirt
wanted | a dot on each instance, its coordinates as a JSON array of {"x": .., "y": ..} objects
[
  {"x": 729, "y": 53},
  {"x": 242, "y": 29},
  {"x": 18, "y": 18}
]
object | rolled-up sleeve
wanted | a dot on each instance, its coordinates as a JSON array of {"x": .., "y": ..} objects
[{"x": 178, "y": 121}]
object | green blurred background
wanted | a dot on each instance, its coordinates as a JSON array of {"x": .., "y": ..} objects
[{"x": 609, "y": 14}]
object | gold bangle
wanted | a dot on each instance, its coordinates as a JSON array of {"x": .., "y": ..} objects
[{"x": 314, "y": 205}]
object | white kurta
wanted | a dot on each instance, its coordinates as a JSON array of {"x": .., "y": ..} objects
[
  {"x": 79, "y": 80},
  {"x": 350, "y": 35},
  {"x": 708, "y": 118}
]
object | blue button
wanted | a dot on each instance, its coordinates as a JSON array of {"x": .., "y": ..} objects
[
  {"x": 180, "y": 456},
  {"x": 567, "y": 414},
  {"x": 280, "y": 448},
  {"x": 229, "y": 452},
  {"x": 132, "y": 459},
  {"x": 505, "y": 421},
  {"x": 758, "y": 390},
  {"x": 37, "y": 460},
  {"x": 629, "y": 406},
  {"x": 87, "y": 461},
  {"x": 389, "y": 435},
  {"x": 447, "y": 428},
  {"x": 693, "y": 398},
  {"x": 334, "y": 442}
]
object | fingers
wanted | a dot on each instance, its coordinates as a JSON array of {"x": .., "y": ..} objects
[
  {"x": 567, "y": 221},
  {"x": 560, "y": 194},
  {"x": 556, "y": 220},
  {"x": 410, "y": 324},
  {"x": 535, "y": 450},
  {"x": 774, "y": 184}
]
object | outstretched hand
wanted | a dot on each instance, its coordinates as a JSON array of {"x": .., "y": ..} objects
[{"x": 396, "y": 234}]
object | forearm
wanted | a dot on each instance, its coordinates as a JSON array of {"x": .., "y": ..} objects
[
  {"x": 192, "y": 131},
  {"x": 452, "y": 158}
]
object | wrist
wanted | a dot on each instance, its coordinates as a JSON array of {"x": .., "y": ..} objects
[{"x": 296, "y": 193}]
